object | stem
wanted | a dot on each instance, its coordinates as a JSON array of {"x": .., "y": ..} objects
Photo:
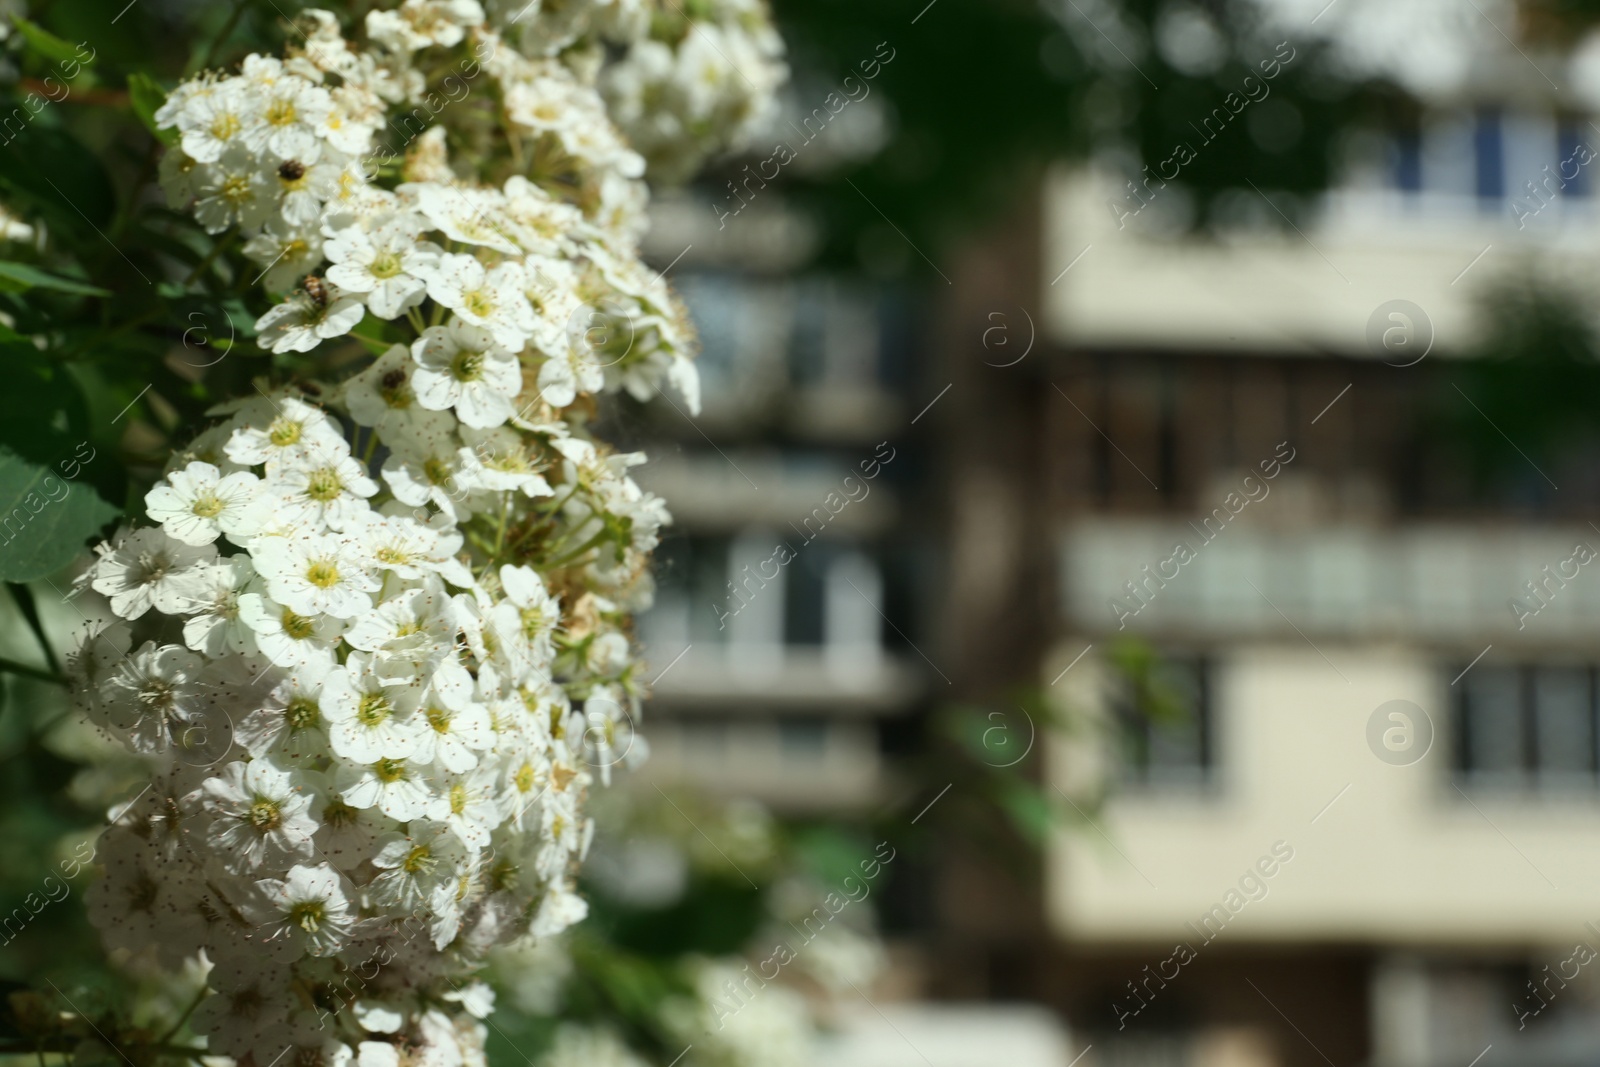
[
  {"x": 30, "y": 611},
  {"x": 414, "y": 316},
  {"x": 562, "y": 502},
  {"x": 211, "y": 257},
  {"x": 193, "y": 1004},
  {"x": 500, "y": 536},
  {"x": 227, "y": 31},
  {"x": 598, "y": 539},
  {"x": 372, "y": 446},
  {"x": 26, "y": 671}
]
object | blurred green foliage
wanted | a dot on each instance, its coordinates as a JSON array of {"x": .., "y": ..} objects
[{"x": 985, "y": 94}]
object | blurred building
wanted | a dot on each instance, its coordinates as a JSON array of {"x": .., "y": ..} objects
[
  {"x": 1371, "y": 830},
  {"x": 1361, "y": 822},
  {"x": 778, "y": 640}
]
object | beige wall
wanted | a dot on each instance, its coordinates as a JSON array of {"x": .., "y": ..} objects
[
  {"x": 1283, "y": 292},
  {"x": 1401, "y": 857}
]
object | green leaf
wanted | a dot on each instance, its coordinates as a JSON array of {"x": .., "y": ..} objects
[
  {"x": 46, "y": 43},
  {"x": 44, "y": 518},
  {"x": 17, "y": 277},
  {"x": 52, "y": 172},
  {"x": 147, "y": 97}
]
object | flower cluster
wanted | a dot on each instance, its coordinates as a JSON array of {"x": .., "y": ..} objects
[
  {"x": 374, "y": 639},
  {"x": 697, "y": 84}
]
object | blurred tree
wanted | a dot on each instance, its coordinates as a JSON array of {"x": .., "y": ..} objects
[{"x": 984, "y": 94}]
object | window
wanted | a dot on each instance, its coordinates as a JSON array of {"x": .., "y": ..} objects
[
  {"x": 740, "y": 592},
  {"x": 802, "y": 739},
  {"x": 1527, "y": 726},
  {"x": 1163, "y": 716}
]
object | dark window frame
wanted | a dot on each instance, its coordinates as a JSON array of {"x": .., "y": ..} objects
[
  {"x": 1135, "y": 731},
  {"x": 1532, "y": 770}
]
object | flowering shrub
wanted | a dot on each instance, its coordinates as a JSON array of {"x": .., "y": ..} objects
[{"x": 373, "y": 633}]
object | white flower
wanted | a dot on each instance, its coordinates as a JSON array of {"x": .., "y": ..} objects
[
  {"x": 284, "y": 119},
  {"x": 410, "y": 549},
  {"x": 500, "y": 460},
  {"x": 457, "y": 730},
  {"x": 294, "y": 427},
  {"x": 469, "y": 806},
  {"x": 491, "y": 298},
  {"x": 210, "y": 122},
  {"x": 383, "y": 397},
  {"x": 559, "y": 909},
  {"x": 302, "y": 190},
  {"x": 147, "y": 568},
  {"x": 247, "y": 1018},
  {"x": 393, "y": 786},
  {"x": 537, "y": 610},
  {"x": 493, "y": 634},
  {"x": 476, "y": 997},
  {"x": 180, "y": 175},
  {"x": 582, "y": 1046},
  {"x": 560, "y": 315},
  {"x": 309, "y": 317},
  {"x": 317, "y": 574},
  {"x": 153, "y": 693},
  {"x": 388, "y": 264},
  {"x": 198, "y": 504},
  {"x": 287, "y": 638},
  {"x": 215, "y": 626},
  {"x": 259, "y": 817},
  {"x": 471, "y": 216},
  {"x": 372, "y": 684},
  {"x": 421, "y": 23},
  {"x": 290, "y": 716},
  {"x": 308, "y": 908},
  {"x": 323, "y": 486},
  {"x": 413, "y": 864},
  {"x": 410, "y": 634},
  {"x": 233, "y": 190},
  {"x": 427, "y": 470},
  {"x": 285, "y": 253},
  {"x": 369, "y": 719},
  {"x": 463, "y": 367}
]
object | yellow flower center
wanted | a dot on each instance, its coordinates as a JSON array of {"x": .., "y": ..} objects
[
  {"x": 524, "y": 777},
  {"x": 390, "y": 771},
  {"x": 478, "y": 303},
  {"x": 208, "y": 506},
  {"x": 236, "y": 189},
  {"x": 324, "y": 485},
  {"x": 301, "y": 713},
  {"x": 385, "y": 265},
  {"x": 374, "y": 709},
  {"x": 281, "y": 112},
  {"x": 264, "y": 815},
  {"x": 323, "y": 574},
  {"x": 532, "y": 623},
  {"x": 297, "y": 626},
  {"x": 467, "y": 366},
  {"x": 309, "y": 915},
  {"x": 284, "y": 432}
]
